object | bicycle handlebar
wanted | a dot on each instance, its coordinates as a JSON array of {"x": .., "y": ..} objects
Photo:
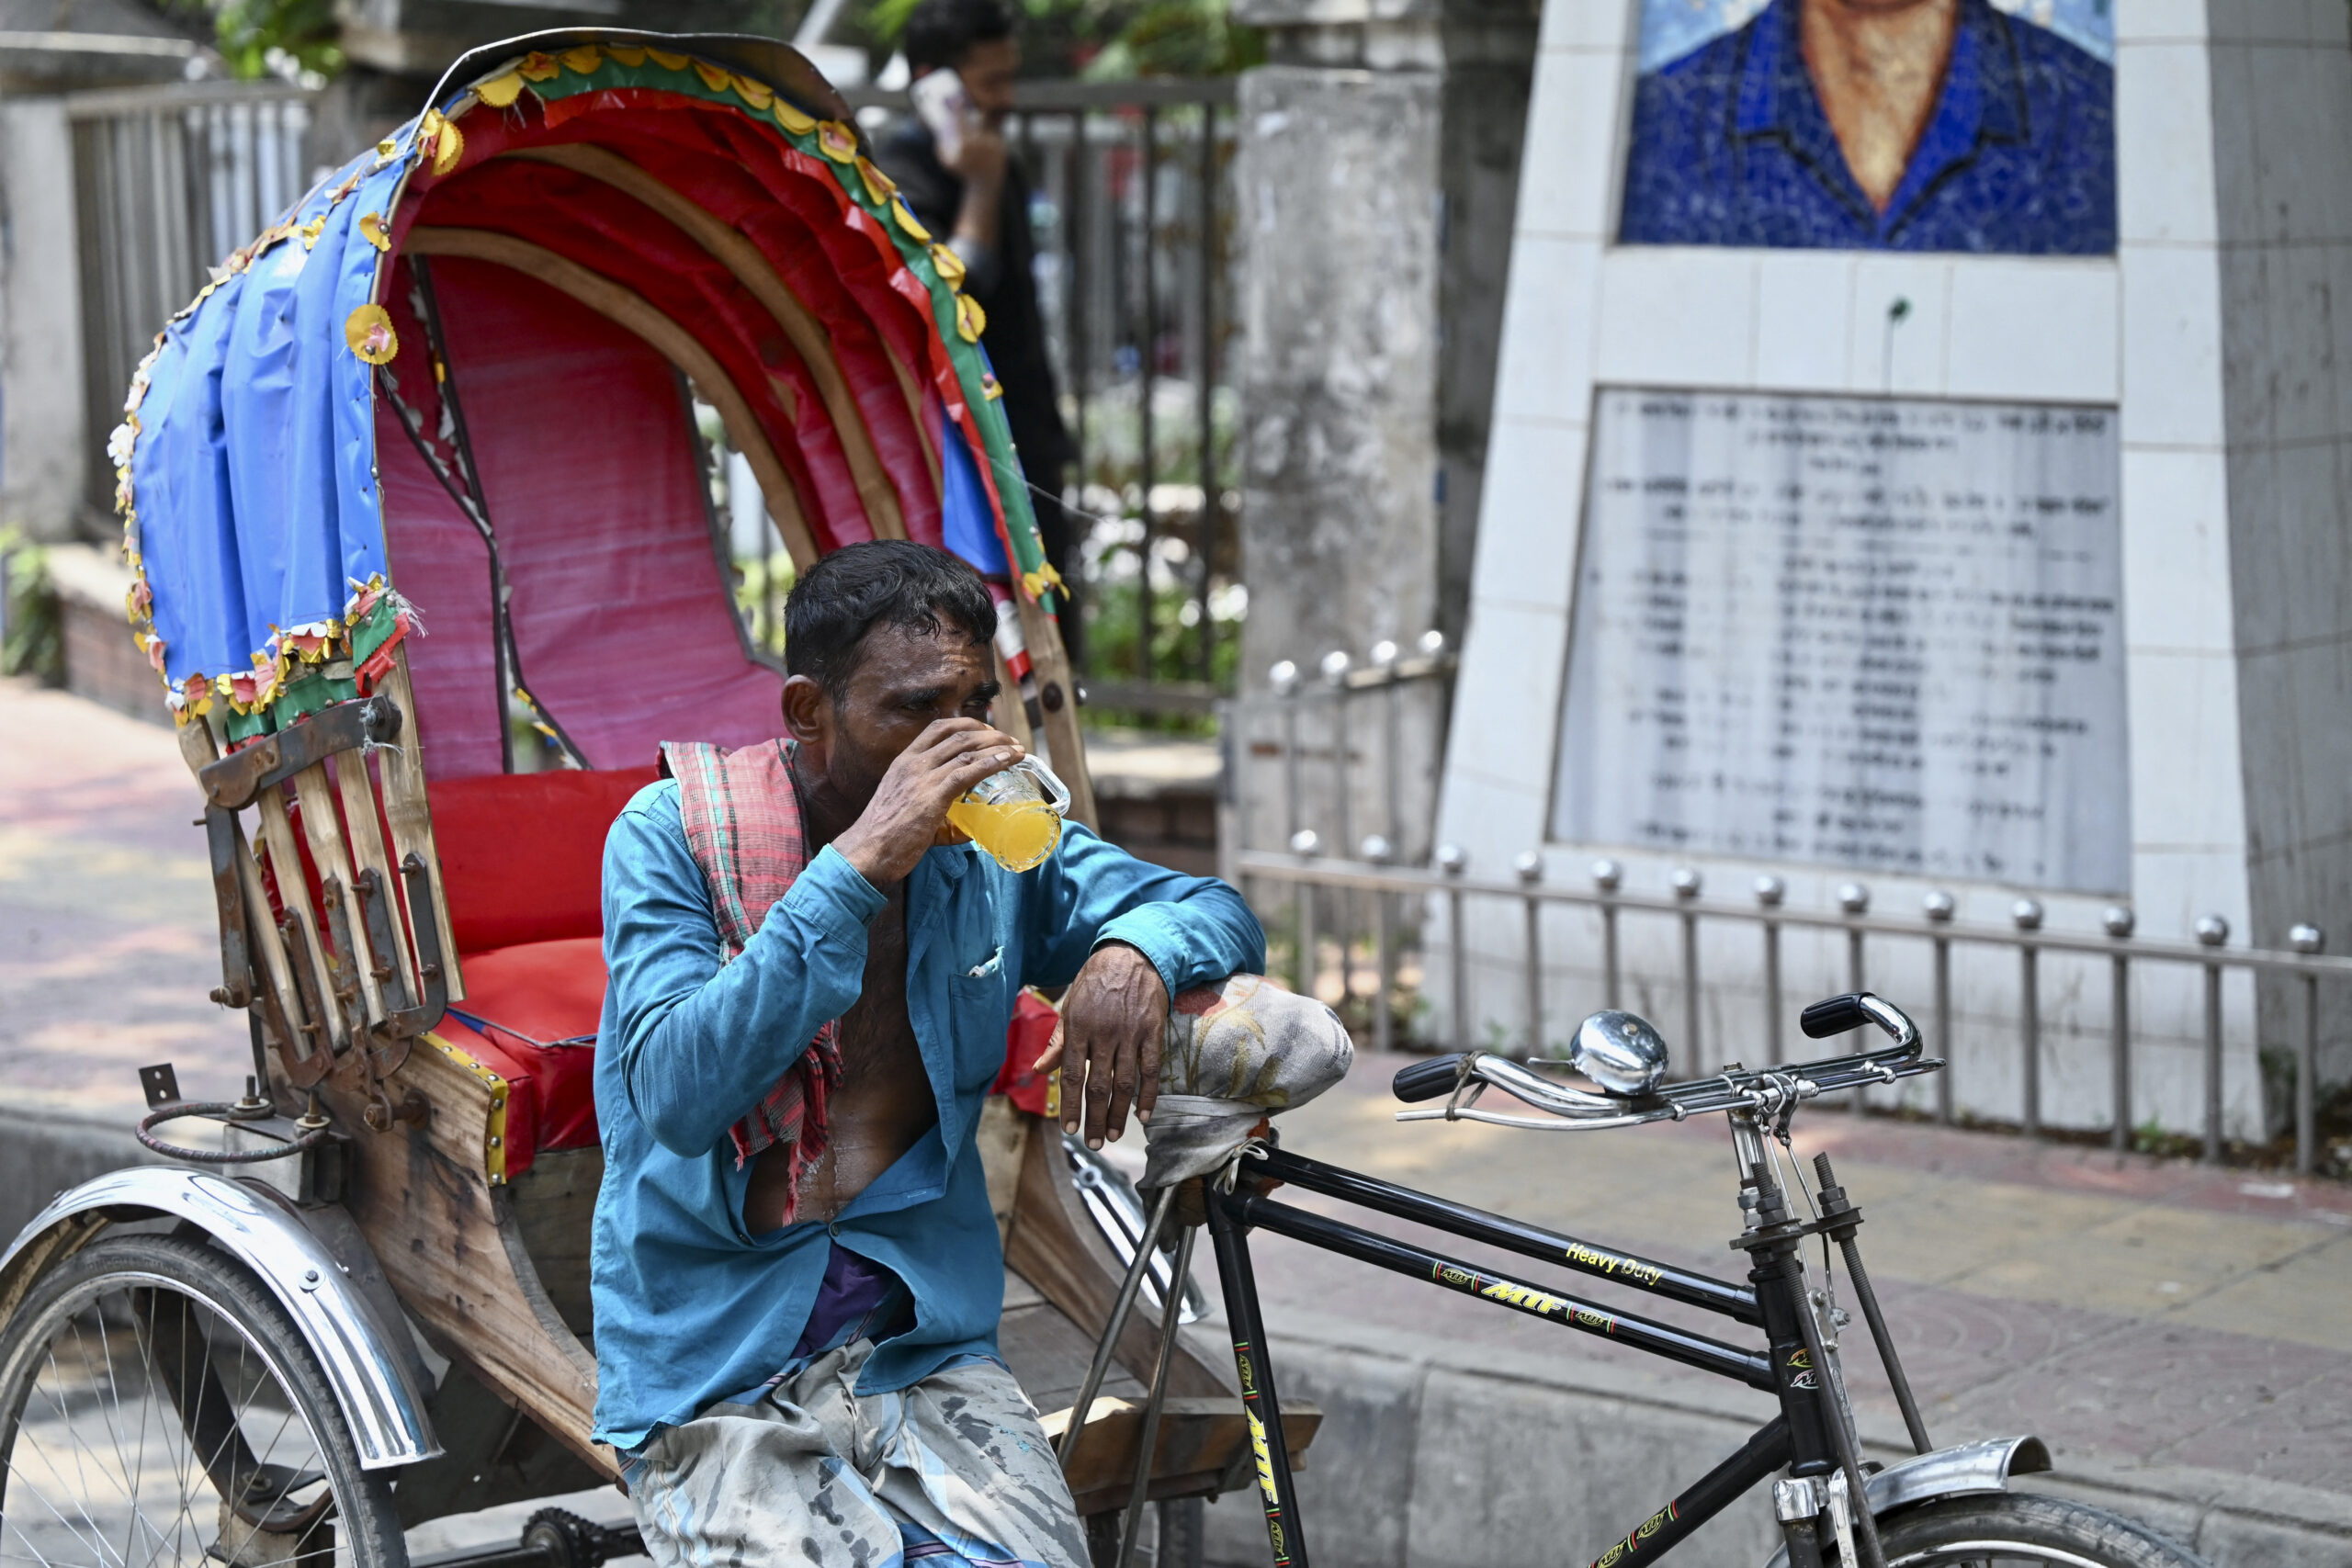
[{"x": 1571, "y": 1109}]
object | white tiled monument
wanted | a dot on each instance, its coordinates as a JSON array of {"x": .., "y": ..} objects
[{"x": 2035, "y": 566}]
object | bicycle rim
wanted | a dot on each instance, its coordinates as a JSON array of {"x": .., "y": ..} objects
[{"x": 143, "y": 1422}]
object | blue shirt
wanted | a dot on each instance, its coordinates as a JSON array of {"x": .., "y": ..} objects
[
  {"x": 1730, "y": 147},
  {"x": 690, "y": 1306}
]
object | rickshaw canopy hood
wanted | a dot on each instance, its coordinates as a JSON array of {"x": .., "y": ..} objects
[{"x": 577, "y": 220}]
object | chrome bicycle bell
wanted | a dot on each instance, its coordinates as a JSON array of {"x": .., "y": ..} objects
[{"x": 1619, "y": 1052}]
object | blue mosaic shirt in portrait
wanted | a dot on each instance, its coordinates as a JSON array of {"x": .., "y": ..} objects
[{"x": 1731, "y": 147}]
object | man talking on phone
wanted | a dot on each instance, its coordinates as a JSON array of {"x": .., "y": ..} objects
[{"x": 950, "y": 163}]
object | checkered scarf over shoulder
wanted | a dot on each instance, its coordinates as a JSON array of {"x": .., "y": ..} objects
[{"x": 743, "y": 829}]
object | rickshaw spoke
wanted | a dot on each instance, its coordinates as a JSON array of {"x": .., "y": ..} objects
[
  {"x": 97, "y": 1535},
  {"x": 114, "y": 1427}
]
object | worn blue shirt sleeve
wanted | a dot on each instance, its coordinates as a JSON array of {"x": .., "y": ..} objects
[
  {"x": 700, "y": 1044},
  {"x": 1194, "y": 929}
]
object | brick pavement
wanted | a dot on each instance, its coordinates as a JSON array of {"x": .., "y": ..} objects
[
  {"x": 107, "y": 932},
  {"x": 2137, "y": 1314},
  {"x": 2142, "y": 1316}
]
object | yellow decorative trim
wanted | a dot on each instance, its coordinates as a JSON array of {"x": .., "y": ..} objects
[
  {"x": 368, "y": 330},
  {"x": 627, "y": 54},
  {"x": 493, "y": 1151},
  {"x": 582, "y": 60},
  {"x": 667, "y": 61},
  {"x": 500, "y": 92},
  {"x": 837, "y": 141},
  {"x": 970, "y": 319},
  {"x": 537, "y": 67},
  {"x": 715, "y": 77},
  {"x": 372, "y": 229},
  {"x": 759, "y": 94},
  {"x": 792, "y": 120}
]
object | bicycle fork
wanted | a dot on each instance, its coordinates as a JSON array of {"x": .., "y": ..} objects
[{"x": 1824, "y": 1493}]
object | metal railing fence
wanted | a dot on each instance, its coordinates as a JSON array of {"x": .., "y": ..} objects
[
  {"x": 1376, "y": 901},
  {"x": 1134, "y": 226},
  {"x": 167, "y": 181}
]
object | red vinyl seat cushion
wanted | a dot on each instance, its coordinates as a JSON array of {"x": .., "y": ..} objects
[
  {"x": 530, "y": 1016},
  {"x": 522, "y": 855}
]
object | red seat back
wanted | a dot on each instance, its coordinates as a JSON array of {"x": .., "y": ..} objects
[{"x": 522, "y": 855}]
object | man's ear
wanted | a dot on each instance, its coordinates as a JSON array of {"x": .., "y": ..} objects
[{"x": 808, "y": 712}]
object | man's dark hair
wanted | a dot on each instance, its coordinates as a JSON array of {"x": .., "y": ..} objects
[
  {"x": 893, "y": 582},
  {"x": 940, "y": 32}
]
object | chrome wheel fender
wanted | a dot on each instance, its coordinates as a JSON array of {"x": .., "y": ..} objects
[
  {"x": 370, "y": 1364},
  {"x": 1956, "y": 1471}
]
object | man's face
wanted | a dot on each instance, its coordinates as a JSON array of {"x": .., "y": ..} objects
[
  {"x": 988, "y": 70},
  {"x": 904, "y": 681}
]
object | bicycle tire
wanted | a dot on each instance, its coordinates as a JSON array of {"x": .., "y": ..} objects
[
  {"x": 2002, "y": 1529},
  {"x": 223, "y": 1386}
]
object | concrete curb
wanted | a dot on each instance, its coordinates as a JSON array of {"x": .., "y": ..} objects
[
  {"x": 1438, "y": 1455},
  {"x": 43, "y": 1154},
  {"x": 1444, "y": 1456}
]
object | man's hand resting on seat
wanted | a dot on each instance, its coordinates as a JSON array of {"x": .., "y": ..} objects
[{"x": 1113, "y": 1017}]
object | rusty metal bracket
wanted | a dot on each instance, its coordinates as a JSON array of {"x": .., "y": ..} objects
[
  {"x": 237, "y": 780},
  {"x": 309, "y": 985},
  {"x": 225, "y": 841}
]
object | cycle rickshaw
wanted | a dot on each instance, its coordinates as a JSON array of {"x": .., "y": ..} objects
[{"x": 417, "y": 495}]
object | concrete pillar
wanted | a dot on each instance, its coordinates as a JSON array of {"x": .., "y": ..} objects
[
  {"x": 1376, "y": 181},
  {"x": 44, "y": 446}
]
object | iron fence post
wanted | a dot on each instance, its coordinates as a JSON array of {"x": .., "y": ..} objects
[
  {"x": 2212, "y": 930},
  {"x": 1212, "y": 504},
  {"x": 1770, "y": 891},
  {"x": 1336, "y": 665},
  {"x": 1608, "y": 876},
  {"x": 1377, "y": 851},
  {"x": 1148, "y": 368},
  {"x": 1528, "y": 865},
  {"x": 1939, "y": 907},
  {"x": 2028, "y": 915},
  {"x": 1305, "y": 842},
  {"x": 2307, "y": 938},
  {"x": 1687, "y": 886},
  {"x": 2119, "y": 921},
  {"x": 1855, "y": 900},
  {"x": 1452, "y": 860}
]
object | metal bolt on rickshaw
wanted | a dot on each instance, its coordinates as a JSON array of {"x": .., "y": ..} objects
[{"x": 428, "y": 558}]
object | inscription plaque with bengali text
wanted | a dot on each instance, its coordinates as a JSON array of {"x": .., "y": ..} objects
[{"x": 1876, "y": 633}]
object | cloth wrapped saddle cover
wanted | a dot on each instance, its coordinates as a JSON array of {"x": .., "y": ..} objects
[{"x": 1235, "y": 1054}]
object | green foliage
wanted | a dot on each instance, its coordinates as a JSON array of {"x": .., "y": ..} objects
[
  {"x": 34, "y": 639},
  {"x": 1110, "y": 40},
  {"x": 273, "y": 38}
]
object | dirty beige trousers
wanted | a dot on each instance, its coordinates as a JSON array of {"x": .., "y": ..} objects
[{"x": 816, "y": 1476}]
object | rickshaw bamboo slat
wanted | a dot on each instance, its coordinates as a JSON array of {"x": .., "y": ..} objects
[
  {"x": 1051, "y": 659},
  {"x": 366, "y": 837},
  {"x": 1005, "y": 710},
  {"x": 331, "y": 855},
  {"x": 199, "y": 750},
  {"x": 293, "y": 895},
  {"x": 401, "y": 765},
  {"x": 628, "y": 309},
  {"x": 755, "y": 273}
]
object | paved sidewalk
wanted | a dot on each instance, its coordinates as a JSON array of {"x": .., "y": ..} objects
[
  {"x": 108, "y": 939},
  {"x": 2182, "y": 1333}
]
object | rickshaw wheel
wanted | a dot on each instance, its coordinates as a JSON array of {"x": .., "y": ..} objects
[{"x": 157, "y": 1405}]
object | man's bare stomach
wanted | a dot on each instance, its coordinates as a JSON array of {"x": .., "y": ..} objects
[
  {"x": 883, "y": 1103},
  {"x": 869, "y": 1132}
]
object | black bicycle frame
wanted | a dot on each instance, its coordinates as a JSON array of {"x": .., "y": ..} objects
[{"x": 1798, "y": 1437}]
